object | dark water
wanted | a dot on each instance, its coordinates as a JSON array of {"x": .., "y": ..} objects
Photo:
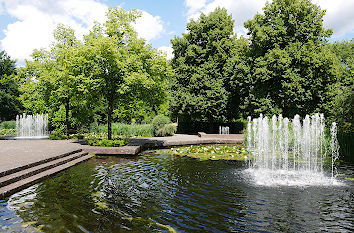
[{"x": 160, "y": 193}]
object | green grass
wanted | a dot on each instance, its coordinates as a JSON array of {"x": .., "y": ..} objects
[
  {"x": 125, "y": 130},
  {"x": 211, "y": 152}
]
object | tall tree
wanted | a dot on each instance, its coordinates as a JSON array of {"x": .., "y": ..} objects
[
  {"x": 10, "y": 105},
  {"x": 7, "y": 65},
  {"x": 122, "y": 67},
  {"x": 291, "y": 71},
  {"x": 199, "y": 86},
  {"x": 344, "y": 50},
  {"x": 342, "y": 107},
  {"x": 52, "y": 83}
]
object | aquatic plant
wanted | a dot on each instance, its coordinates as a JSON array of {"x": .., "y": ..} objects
[{"x": 212, "y": 152}]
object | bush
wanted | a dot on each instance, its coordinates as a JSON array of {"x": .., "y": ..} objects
[
  {"x": 8, "y": 125},
  {"x": 161, "y": 126},
  {"x": 57, "y": 136},
  {"x": 7, "y": 132},
  {"x": 107, "y": 143}
]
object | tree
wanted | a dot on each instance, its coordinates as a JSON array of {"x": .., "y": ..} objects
[
  {"x": 52, "y": 83},
  {"x": 7, "y": 65},
  {"x": 122, "y": 67},
  {"x": 291, "y": 71},
  {"x": 10, "y": 105},
  {"x": 199, "y": 87},
  {"x": 342, "y": 106},
  {"x": 344, "y": 50}
]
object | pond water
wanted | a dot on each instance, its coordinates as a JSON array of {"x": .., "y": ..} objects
[{"x": 158, "y": 192}]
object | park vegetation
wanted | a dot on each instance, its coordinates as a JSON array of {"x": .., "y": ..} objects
[{"x": 286, "y": 65}]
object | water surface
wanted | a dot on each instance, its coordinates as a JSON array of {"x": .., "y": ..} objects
[{"x": 158, "y": 192}]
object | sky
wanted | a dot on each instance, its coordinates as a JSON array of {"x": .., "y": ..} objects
[{"x": 26, "y": 25}]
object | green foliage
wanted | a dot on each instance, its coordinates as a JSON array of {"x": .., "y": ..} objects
[
  {"x": 199, "y": 87},
  {"x": 346, "y": 145},
  {"x": 122, "y": 67},
  {"x": 57, "y": 136},
  {"x": 7, "y": 65},
  {"x": 343, "y": 109},
  {"x": 169, "y": 130},
  {"x": 161, "y": 126},
  {"x": 342, "y": 105},
  {"x": 106, "y": 75},
  {"x": 107, "y": 143},
  {"x": 160, "y": 121},
  {"x": 126, "y": 130},
  {"x": 213, "y": 152},
  {"x": 240, "y": 124},
  {"x": 7, "y": 128},
  {"x": 291, "y": 71},
  {"x": 344, "y": 50},
  {"x": 7, "y": 132},
  {"x": 10, "y": 106},
  {"x": 8, "y": 125}
]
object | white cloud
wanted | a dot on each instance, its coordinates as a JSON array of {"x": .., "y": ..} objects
[
  {"x": 241, "y": 10},
  {"x": 148, "y": 26},
  {"x": 36, "y": 21},
  {"x": 168, "y": 51},
  {"x": 194, "y": 6},
  {"x": 339, "y": 14}
]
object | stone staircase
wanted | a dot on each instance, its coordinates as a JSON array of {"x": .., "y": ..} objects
[{"x": 21, "y": 177}]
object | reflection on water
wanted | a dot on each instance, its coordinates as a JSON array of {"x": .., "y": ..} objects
[{"x": 161, "y": 192}]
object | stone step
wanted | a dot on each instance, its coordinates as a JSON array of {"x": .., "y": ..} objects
[
  {"x": 17, "y": 169},
  {"x": 22, "y": 174},
  {"x": 23, "y": 183}
]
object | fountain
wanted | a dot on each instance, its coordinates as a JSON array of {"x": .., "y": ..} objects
[
  {"x": 32, "y": 126},
  {"x": 285, "y": 152},
  {"x": 224, "y": 130}
]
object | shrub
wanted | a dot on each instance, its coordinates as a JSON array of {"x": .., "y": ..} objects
[
  {"x": 7, "y": 132},
  {"x": 107, "y": 143},
  {"x": 170, "y": 129},
  {"x": 8, "y": 125},
  {"x": 158, "y": 125},
  {"x": 161, "y": 126},
  {"x": 57, "y": 136}
]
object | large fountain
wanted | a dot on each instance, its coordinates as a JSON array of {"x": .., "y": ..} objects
[
  {"x": 32, "y": 126},
  {"x": 285, "y": 152}
]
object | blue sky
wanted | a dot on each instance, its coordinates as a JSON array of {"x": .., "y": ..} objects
[{"x": 27, "y": 24}]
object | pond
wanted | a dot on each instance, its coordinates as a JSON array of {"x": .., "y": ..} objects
[{"x": 159, "y": 192}]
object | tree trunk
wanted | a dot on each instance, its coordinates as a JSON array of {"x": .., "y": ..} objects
[
  {"x": 67, "y": 117},
  {"x": 109, "y": 120}
]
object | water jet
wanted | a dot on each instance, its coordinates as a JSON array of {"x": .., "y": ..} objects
[
  {"x": 31, "y": 127},
  {"x": 285, "y": 152}
]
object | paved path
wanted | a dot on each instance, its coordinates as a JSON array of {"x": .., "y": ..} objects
[
  {"x": 184, "y": 139},
  {"x": 17, "y": 153}
]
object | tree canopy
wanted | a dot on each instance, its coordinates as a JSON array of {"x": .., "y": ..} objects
[
  {"x": 111, "y": 67},
  {"x": 199, "y": 86},
  {"x": 10, "y": 105},
  {"x": 291, "y": 71}
]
